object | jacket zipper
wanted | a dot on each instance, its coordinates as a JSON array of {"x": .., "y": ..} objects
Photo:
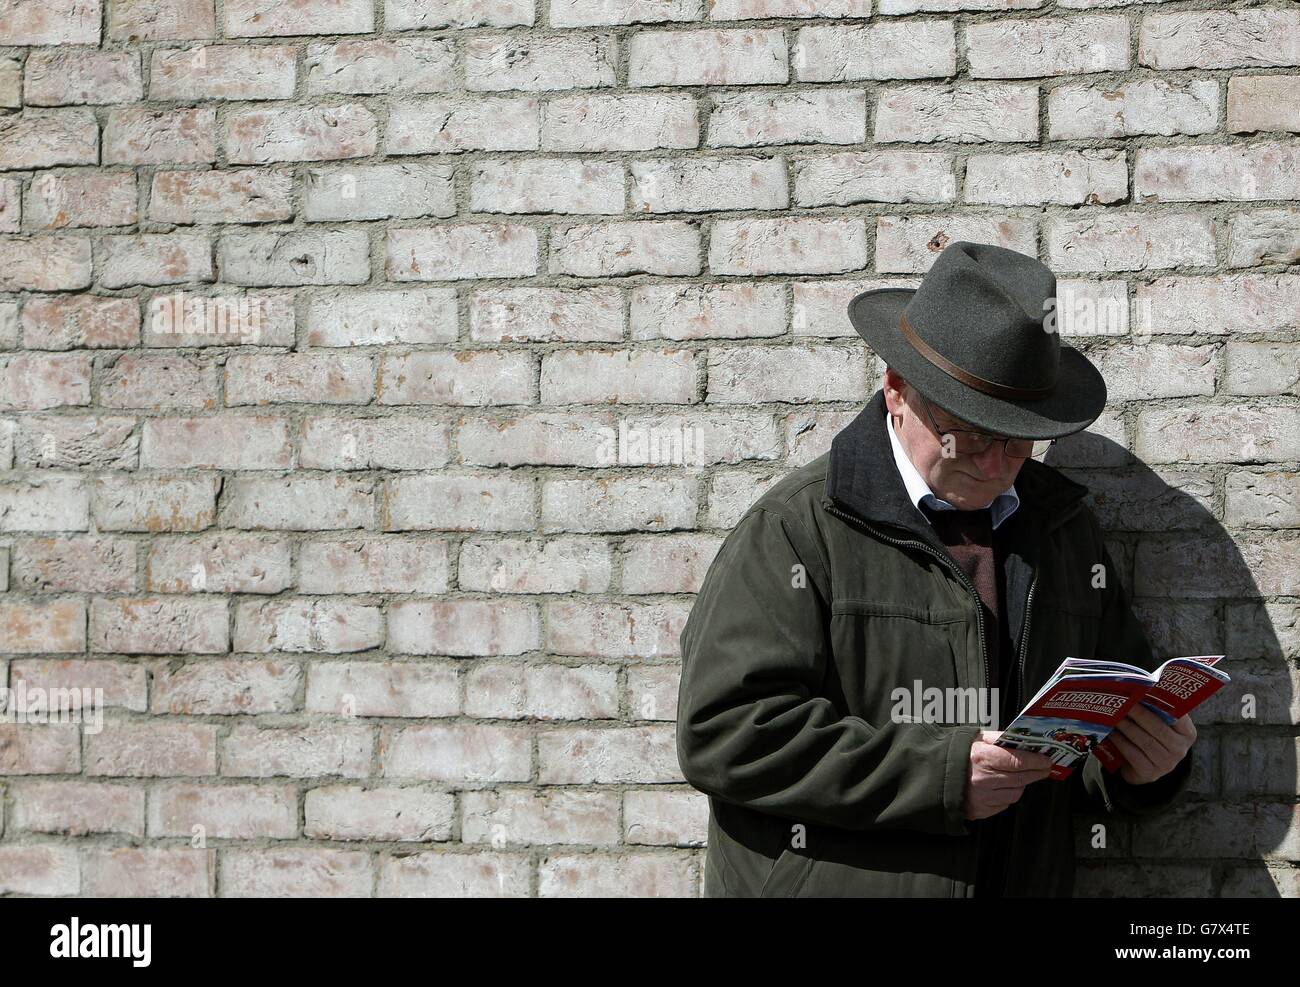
[
  {"x": 979, "y": 609},
  {"x": 1024, "y": 644}
]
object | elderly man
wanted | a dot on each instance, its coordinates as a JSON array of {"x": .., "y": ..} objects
[{"x": 929, "y": 548}]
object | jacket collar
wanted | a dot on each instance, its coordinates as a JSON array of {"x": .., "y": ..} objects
[{"x": 862, "y": 479}]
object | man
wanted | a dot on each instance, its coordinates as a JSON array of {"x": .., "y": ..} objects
[{"x": 927, "y": 548}]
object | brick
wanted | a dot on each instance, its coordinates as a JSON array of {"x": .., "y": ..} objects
[
  {"x": 909, "y": 244},
  {"x": 125, "y": 872},
  {"x": 196, "y": 320},
  {"x": 43, "y": 627},
  {"x": 466, "y": 250},
  {"x": 157, "y": 625},
  {"x": 160, "y": 503},
  {"x": 458, "y": 503},
  {"x": 10, "y": 205},
  {"x": 1228, "y": 433},
  {"x": 1243, "y": 303},
  {"x": 306, "y": 752},
  {"x": 1261, "y": 368},
  {"x": 81, "y": 321},
  {"x": 886, "y": 176},
  {"x": 1133, "y": 108},
  {"x": 221, "y": 563},
  {"x": 220, "y": 687},
  {"x": 39, "y": 870},
  {"x": 607, "y": 756},
  {"x": 707, "y": 58},
  {"x": 383, "y": 564},
  {"x": 141, "y": 136},
  {"x": 325, "y": 626},
  {"x": 463, "y": 627},
  {"x": 374, "y": 443},
  {"x": 411, "y": 15},
  {"x": 665, "y": 818},
  {"x": 452, "y": 124},
  {"x": 668, "y": 247},
  {"x": 40, "y": 749},
  {"x": 228, "y": 812},
  {"x": 794, "y": 374},
  {"x": 301, "y": 133},
  {"x": 754, "y": 247},
  {"x": 1123, "y": 240},
  {"x": 158, "y": 381},
  {"x": 78, "y": 442},
  {"x": 566, "y": 61},
  {"x": 33, "y": 381},
  {"x": 222, "y": 72},
  {"x": 707, "y": 311},
  {"x": 547, "y": 185},
  {"x": 1069, "y": 178},
  {"x": 77, "y": 808},
  {"x": 466, "y": 754},
  {"x": 297, "y": 503},
  {"x": 465, "y": 377},
  {"x": 295, "y": 872},
  {"x": 836, "y": 116},
  {"x": 224, "y": 442},
  {"x": 161, "y": 20},
  {"x": 622, "y": 630},
  {"x": 272, "y": 18},
  {"x": 1010, "y": 49},
  {"x": 294, "y": 258},
  {"x": 248, "y": 195},
  {"x": 619, "y": 377},
  {"x": 652, "y": 691},
  {"x": 620, "y": 122},
  {"x": 11, "y": 83},
  {"x": 155, "y": 258},
  {"x": 1206, "y": 173},
  {"x": 60, "y": 201},
  {"x": 666, "y": 563},
  {"x": 48, "y": 502},
  {"x": 619, "y": 504},
  {"x": 55, "y": 78},
  {"x": 544, "y": 692},
  {"x": 512, "y": 818},
  {"x": 366, "y": 318},
  {"x": 51, "y": 22},
  {"x": 1219, "y": 39},
  {"x": 964, "y": 112},
  {"x": 48, "y": 138},
  {"x": 579, "y": 13},
  {"x": 1262, "y": 102},
  {"x": 660, "y": 186},
  {"x": 516, "y": 565},
  {"x": 340, "y": 812},
  {"x": 77, "y": 564},
  {"x": 1262, "y": 500},
  {"x": 455, "y": 875},
  {"x": 383, "y": 688},
  {"x": 381, "y": 66},
  {"x": 294, "y": 378},
  {"x": 152, "y": 750},
  {"x": 915, "y": 50},
  {"x": 608, "y": 875},
  {"x": 388, "y": 191}
]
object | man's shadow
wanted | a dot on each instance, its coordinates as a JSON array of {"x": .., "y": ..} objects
[{"x": 1194, "y": 589}]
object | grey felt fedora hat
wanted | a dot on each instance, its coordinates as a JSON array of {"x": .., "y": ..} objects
[{"x": 977, "y": 338}]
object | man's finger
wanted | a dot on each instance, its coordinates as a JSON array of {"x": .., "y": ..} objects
[
  {"x": 1134, "y": 754},
  {"x": 1006, "y": 759},
  {"x": 1157, "y": 737}
]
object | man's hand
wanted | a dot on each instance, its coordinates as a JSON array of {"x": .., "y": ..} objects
[
  {"x": 997, "y": 776},
  {"x": 1151, "y": 747}
]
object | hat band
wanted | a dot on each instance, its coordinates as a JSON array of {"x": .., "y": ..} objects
[{"x": 966, "y": 377}]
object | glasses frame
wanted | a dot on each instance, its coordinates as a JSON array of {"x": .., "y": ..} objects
[{"x": 987, "y": 439}]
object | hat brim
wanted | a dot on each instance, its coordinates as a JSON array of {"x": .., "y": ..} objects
[{"x": 1075, "y": 403}]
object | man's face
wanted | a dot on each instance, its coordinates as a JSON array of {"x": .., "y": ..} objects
[{"x": 968, "y": 482}]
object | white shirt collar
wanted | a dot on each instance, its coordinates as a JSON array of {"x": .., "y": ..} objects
[{"x": 1003, "y": 506}]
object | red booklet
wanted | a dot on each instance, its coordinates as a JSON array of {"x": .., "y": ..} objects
[{"x": 1073, "y": 714}]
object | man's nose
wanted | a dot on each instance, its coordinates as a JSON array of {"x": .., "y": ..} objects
[{"x": 993, "y": 461}]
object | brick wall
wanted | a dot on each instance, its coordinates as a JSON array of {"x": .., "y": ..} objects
[{"x": 337, "y": 337}]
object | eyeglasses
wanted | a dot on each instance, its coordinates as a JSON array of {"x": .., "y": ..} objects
[{"x": 968, "y": 442}]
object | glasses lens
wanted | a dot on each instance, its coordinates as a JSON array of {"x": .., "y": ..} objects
[{"x": 1021, "y": 448}]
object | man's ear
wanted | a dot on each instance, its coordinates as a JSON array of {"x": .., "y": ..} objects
[{"x": 895, "y": 388}]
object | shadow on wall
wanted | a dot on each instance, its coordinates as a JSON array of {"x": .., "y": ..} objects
[{"x": 1199, "y": 588}]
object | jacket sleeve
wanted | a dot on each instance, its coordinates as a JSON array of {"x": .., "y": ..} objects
[
  {"x": 753, "y": 727},
  {"x": 1122, "y": 638}
]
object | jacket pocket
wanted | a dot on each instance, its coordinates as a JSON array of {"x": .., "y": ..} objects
[{"x": 787, "y": 876}]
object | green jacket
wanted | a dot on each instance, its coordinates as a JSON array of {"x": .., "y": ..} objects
[{"x": 831, "y": 591}]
